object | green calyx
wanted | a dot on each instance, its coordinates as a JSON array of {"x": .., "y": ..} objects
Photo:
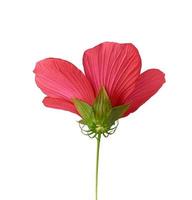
[{"x": 101, "y": 117}]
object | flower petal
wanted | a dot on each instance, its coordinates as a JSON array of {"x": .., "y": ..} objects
[
  {"x": 60, "y": 78},
  {"x": 114, "y": 66},
  {"x": 148, "y": 83},
  {"x": 59, "y": 104}
]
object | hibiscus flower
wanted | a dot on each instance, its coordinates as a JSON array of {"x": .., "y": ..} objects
[{"x": 112, "y": 87}]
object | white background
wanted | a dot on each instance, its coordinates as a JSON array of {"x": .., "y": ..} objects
[{"x": 43, "y": 155}]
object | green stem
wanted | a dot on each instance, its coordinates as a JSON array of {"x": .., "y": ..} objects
[{"x": 97, "y": 166}]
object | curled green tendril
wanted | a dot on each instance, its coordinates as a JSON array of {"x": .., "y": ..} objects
[{"x": 85, "y": 130}]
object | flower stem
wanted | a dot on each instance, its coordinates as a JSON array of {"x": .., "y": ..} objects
[{"x": 97, "y": 166}]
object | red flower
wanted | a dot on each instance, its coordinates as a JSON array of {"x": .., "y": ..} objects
[
  {"x": 114, "y": 66},
  {"x": 112, "y": 87}
]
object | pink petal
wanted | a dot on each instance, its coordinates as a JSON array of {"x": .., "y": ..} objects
[
  {"x": 148, "y": 83},
  {"x": 61, "y": 79},
  {"x": 59, "y": 104},
  {"x": 114, "y": 66}
]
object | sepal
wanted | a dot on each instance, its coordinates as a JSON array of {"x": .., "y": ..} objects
[
  {"x": 85, "y": 110},
  {"x": 102, "y": 106},
  {"x": 116, "y": 113}
]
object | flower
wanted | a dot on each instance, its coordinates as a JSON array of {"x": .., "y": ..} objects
[
  {"x": 112, "y": 87},
  {"x": 113, "y": 83}
]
